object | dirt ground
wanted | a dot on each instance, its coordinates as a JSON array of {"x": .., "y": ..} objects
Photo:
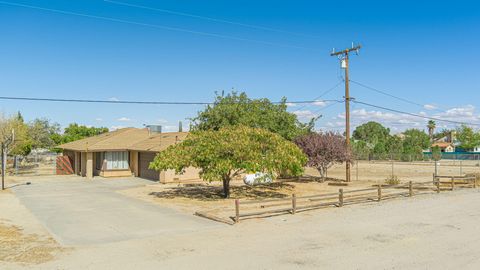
[
  {"x": 23, "y": 241},
  {"x": 206, "y": 197},
  {"x": 408, "y": 233},
  {"x": 427, "y": 232}
]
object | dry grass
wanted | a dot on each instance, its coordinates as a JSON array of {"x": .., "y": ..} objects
[{"x": 18, "y": 247}]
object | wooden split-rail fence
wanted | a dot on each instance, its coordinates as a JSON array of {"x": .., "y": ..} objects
[
  {"x": 245, "y": 209},
  {"x": 443, "y": 182}
]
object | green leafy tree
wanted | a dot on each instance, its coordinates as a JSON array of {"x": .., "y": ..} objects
[
  {"x": 394, "y": 146},
  {"x": 360, "y": 149},
  {"x": 230, "y": 151},
  {"x": 436, "y": 153},
  {"x": 415, "y": 142},
  {"x": 21, "y": 145},
  {"x": 40, "y": 133},
  {"x": 468, "y": 138},
  {"x": 238, "y": 109},
  {"x": 375, "y": 136},
  {"x": 75, "y": 132}
]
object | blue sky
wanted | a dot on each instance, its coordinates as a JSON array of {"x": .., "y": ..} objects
[{"x": 426, "y": 52}]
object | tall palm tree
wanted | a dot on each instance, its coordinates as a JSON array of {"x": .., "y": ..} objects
[{"x": 431, "y": 128}]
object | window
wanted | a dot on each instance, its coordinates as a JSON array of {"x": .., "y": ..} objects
[{"x": 117, "y": 160}]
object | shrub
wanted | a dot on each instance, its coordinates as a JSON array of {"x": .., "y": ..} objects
[{"x": 392, "y": 180}]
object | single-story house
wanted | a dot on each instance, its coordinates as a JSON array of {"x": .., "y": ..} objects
[
  {"x": 447, "y": 147},
  {"x": 124, "y": 152}
]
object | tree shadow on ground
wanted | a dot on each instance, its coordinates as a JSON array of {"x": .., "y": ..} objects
[
  {"x": 204, "y": 192},
  {"x": 309, "y": 179}
]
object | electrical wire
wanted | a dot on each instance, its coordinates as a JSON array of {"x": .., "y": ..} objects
[
  {"x": 321, "y": 95},
  {"x": 169, "y": 11},
  {"x": 163, "y": 27},
  {"x": 415, "y": 115},
  {"x": 395, "y": 97},
  {"x": 328, "y": 106},
  {"x": 386, "y": 94},
  {"x": 139, "y": 102}
]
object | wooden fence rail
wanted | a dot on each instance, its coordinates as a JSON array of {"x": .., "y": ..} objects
[{"x": 294, "y": 204}]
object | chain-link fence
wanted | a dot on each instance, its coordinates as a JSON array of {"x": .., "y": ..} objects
[
  {"x": 35, "y": 164},
  {"x": 416, "y": 168}
]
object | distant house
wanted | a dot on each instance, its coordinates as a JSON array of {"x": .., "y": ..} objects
[
  {"x": 446, "y": 147},
  {"x": 124, "y": 152}
]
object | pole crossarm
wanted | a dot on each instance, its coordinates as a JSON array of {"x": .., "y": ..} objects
[{"x": 346, "y": 51}]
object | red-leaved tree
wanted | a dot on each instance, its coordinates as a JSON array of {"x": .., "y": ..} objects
[{"x": 324, "y": 150}]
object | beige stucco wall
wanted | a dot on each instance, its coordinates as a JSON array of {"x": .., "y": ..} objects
[
  {"x": 89, "y": 165},
  {"x": 116, "y": 173},
  {"x": 77, "y": 163},
  {"x": 134, "y": 162},
  {"x": 170, "y": 176},
  {"x": 83, "y": 165}
]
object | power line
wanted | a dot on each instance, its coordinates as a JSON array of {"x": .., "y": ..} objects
[
  {"x": 393, "y": 96},
  {"x": 139, "y": 102},
  {"x": 169, "y": 11},
  {"x": 328, "y": 106},
  {"x": 415, "y": 115},
  {"x": 321, "y": 95},
  {"x": 386, "y": 94},
  {"x": 163, "y": 27}
]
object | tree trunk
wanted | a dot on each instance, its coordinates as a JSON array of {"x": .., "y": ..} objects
[
  {"x": 322, "y": 172},
  {"x": 226, "y": 187}
]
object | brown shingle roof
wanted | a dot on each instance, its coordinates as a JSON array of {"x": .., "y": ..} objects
[
  {"x": 159, "y": 142},
  {"x": 126, "y": 139}
]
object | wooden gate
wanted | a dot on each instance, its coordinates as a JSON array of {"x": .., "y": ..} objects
[{"x": 64, "y": 165}]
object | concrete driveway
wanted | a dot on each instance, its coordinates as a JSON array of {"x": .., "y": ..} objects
[{"x": 84, "y": 212}]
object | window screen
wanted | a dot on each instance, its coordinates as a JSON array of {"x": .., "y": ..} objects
[{"x": 117, "y": 160}]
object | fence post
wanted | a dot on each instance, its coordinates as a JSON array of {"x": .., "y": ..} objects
[
  {"x": 438, "y": 184},
  {"x": 453, "y": 183},
  {"x": 357, "y": 170},
  {"x": 379, "y": 191},
  {"x": 340, "y": 197},
  {"x": 237, "y": 211},
  {"x": 410, "y": 189},
  {"x": 294, "y": 204},
  {"x": 475, "y": 182}
]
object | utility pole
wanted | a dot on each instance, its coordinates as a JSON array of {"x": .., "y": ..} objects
[{"x": 343, "y": 56}]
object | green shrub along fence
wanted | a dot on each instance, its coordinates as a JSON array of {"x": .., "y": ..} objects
[{"x": 457, "y": 156}]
